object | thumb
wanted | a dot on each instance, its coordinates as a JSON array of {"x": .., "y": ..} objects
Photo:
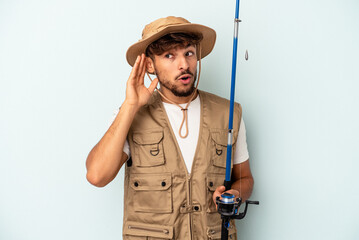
[
  {"x": 153, "y": 85},
  {"x": 220, "y": 189}
]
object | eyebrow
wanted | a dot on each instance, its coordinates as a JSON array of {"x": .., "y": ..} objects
[{"x": 169, "y": 51}]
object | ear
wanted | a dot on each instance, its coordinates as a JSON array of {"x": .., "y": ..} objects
[{"x": 150, "y": 67}]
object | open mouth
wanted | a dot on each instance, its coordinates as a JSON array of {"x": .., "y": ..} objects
[{"x": 185, "y": 79}]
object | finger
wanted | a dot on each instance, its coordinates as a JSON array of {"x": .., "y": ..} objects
[
  {"x": 218, "y": 192},
  {"x": 233, "y": 192},
  {"x": 139, "y": 71},
  {"x": 142, "y": 69},
  {"x": 134, "y": 70},
  {"x": 215, "y": 196},
  {"x": 153, "y": 85},
  {"x": 220, "y": 189}
]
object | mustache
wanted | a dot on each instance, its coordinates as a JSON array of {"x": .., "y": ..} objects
[{"x": 185, "y": 72}]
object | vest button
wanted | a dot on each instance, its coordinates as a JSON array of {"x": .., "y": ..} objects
[
  {"x": 211, "y": 184},
  {"x": 163, "y": 184},
  {"x": 136, "y": 184}
]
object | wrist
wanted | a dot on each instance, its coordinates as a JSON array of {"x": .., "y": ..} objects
[{"x": 130, "y": 106}]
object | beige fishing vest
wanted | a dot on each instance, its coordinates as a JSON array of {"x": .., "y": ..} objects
[{"x": 162, "y": 200}]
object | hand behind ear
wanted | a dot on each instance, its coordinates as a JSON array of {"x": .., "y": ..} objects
[{"x": 137, "y": 94}]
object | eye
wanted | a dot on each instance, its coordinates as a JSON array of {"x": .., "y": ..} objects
[
  {"x": 189, "y": 53},
  {"x": 168, "y": 55}
]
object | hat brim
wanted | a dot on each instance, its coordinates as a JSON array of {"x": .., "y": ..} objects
[{"x": 207, "y": 43}]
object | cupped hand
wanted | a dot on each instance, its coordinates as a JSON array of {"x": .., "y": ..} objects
[{"x": 137, "y": 94}]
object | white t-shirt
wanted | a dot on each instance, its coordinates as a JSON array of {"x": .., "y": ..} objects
[{"x": 175, "y": 116}]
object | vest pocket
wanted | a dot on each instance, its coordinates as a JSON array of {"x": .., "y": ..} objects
[
  {"x": 148, "y": 148},
  {"x": 219, "y": 147},
  {"x": 136, "y": 230},
  {"x": 213, "y": 181},
  {"x": 215, "y": 232},
  {"x": 152, "y": 192}
]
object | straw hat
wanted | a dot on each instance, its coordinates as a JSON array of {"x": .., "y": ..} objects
[{"x": 163, "y": 26}]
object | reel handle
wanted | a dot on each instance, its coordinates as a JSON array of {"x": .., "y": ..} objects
[{"x": 243, "y": 214}]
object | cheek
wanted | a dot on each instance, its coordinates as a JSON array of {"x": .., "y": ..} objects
[
  {"x": 164, "y": 65},
  {"x": 194, "y": 64},
  {"x": 163, "y": 73},
  {"x": 193, "y": 61},
  {"x": 167, "y": 69}
]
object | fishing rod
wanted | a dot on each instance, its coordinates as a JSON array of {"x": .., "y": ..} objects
[{"x": 228, "y": 205}]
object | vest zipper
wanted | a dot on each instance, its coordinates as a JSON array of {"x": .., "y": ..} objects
[
  {"x": 193, "y": 164},
  {"x": 165, "y": 231},
  {"x": 189, "y": 203}
]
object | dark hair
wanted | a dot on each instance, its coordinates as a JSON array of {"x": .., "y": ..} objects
[{"x": 172, "y": 40}]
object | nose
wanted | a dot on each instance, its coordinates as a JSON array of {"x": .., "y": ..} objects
[{"x": 183, "y": 63}]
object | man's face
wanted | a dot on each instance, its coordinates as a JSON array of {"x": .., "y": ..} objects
[{"x": 176, "y": 70}]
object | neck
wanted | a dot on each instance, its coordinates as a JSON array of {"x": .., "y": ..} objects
[{"x": 171, "y": 98}]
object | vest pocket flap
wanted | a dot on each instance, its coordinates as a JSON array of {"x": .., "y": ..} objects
[
  {"x": 215, "y": 232},
  {"x": 214, "y": 181},
  {"x": 151, "y": 182},
  {"x": 220, "y": 136},
  {"x": 148, "y": 137},
  {"x": 148, "y": 230}
]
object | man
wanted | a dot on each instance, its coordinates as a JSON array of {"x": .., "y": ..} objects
[{"x": 176, "y": 137}]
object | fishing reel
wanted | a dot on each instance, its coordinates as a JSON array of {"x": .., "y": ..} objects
[{"x": 228, "y": 207}]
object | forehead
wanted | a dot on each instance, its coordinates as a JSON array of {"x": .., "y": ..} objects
[{"x": 181, "y": 48}]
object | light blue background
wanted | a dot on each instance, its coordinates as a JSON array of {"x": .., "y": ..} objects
[{"x": 63, "y": 72}]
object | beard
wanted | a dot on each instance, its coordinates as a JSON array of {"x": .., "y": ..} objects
[{"x": 174, "y": 88}]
